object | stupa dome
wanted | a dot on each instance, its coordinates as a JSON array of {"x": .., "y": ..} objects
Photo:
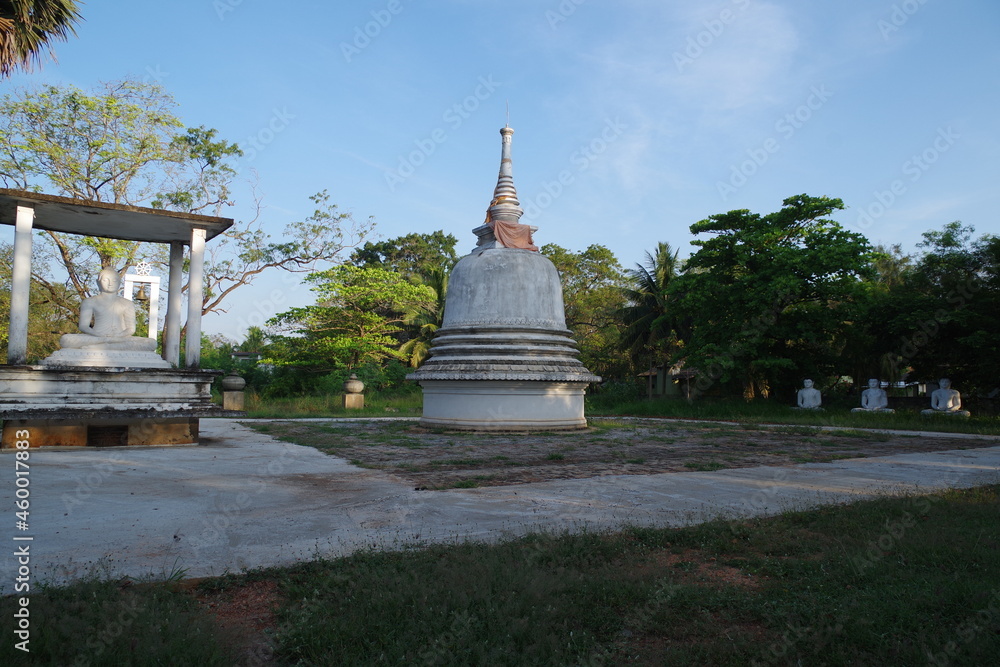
[{"x": 503, "y": 357}]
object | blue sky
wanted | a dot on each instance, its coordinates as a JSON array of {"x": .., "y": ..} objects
[{"x": 633, "y": 119}]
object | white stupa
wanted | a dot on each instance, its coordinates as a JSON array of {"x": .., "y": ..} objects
[{"x": 503, "y": 358}]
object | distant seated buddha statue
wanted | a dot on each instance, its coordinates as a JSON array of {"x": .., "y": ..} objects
[
  {"x": 107, "y": 321},
  {"x": 874, "y": 399},
  {"x": 946, "y": 401},
  {"x": 809, "y": 397}
]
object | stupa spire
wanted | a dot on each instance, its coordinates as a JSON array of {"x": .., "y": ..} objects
[
  {"x": 504, "y": 212},
  {"x": 505, "y": 205}
]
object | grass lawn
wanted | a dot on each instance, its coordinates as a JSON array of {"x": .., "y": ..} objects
[
  {"x": 409, "y": 404},
  {"x": 899, "y": 581},
  {"x": 376, "y": 405}
]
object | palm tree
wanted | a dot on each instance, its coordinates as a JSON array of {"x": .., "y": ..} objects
[
  {"x": 28, "y": 26},
  {"x": 254, "y": 340},
  {"x": 648, "y": 326},
  {"x": 426, "y": 321}
]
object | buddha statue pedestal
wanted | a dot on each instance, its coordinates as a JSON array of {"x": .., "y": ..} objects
[
  {"x": 105, "y": 386},
  {"x": 72, "y": 407},
  {"x": 97, "y": 357}
]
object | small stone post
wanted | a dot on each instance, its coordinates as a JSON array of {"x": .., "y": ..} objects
[
  {"x": 233, "y": 396},
  {"x": 353, "y": 398}
]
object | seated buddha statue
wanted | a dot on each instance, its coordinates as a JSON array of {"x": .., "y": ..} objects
[
  {"x": 809, "y": 397},
  {"x": 946, "y": 401},
  {"x": 874, "y": 399},
  {"x": 107, "y": 321}
]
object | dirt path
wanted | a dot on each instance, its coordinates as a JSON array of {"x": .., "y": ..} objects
[{"x": 444, "y": 459}]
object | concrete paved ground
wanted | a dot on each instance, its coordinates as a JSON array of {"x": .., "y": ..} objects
[{"x": 244, "y": 500}]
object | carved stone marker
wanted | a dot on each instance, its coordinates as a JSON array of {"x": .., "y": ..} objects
[
  {"x": 233, "y": 396},
  {"x": 353, "y": 398}
]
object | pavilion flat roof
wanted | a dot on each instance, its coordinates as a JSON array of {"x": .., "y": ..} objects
[{"x": 112, "y": 221}]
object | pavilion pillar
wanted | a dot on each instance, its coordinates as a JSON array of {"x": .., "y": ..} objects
[
  {"x": 196, "y": 292},
  {"x": 20, "y": 287},
  {"x": 172, "y": 320}
]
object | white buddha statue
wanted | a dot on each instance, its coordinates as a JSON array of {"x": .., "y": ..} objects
[
  {"x": 107, "y": 321},
  {"x": 946, "y": 401},
  {"x": 809, "y": 397},
  {"x": 107, "y": 333},
  {"x": 873, "y": 399}
]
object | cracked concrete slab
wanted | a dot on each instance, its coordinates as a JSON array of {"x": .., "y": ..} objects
[{"x": 244, "y": 500}]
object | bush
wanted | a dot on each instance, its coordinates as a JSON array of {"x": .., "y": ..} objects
[
  {"x": 288, "y": 381},
  {"x": 618, "y": 391}
]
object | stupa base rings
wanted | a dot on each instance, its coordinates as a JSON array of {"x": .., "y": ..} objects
[{"x": 503, "y": 405}]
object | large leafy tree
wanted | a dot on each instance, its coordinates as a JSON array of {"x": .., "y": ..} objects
[
  {"x": 425, "y": 259},
  {"x": 940, "y": 318},
  {"x": 868, "y": 338},
  {"x": 358, "y": 310},
  {"x": 124, "y": 143},
  {"x": 770, "y": 297},
  {"x": 27, "y": 28},
  {"x": 413, "y": 255},
  {"x": 591, "y": 283}
]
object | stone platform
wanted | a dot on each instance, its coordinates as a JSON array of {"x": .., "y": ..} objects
[
  {"x": 498, "y": 405},
  {"x": 73, "y": 407}
]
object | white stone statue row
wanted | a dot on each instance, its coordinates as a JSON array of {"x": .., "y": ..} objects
[{"x": 944, "y": 400}]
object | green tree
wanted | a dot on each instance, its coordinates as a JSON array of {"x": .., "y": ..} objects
[
  {"x": 591, "y": 283},
  {"x": 424, "y": 318},
  {"x": 236, "y": 258},
  {"x": 422, "y": 259},
  {"x": 867, "y": 343},
  {"x": 411, "y": 255},
  {"x": 649, "y": 319},
  {"x": 124, "y": 143},
  {"x": 941, "y": 319},
  {"x": 358, "y": 310},
  {"x": 770, "y": 297},
  {"x": 111, "y": 146},
  {"x": 254, "y": 340},
  {"x": 27, "y": 27}
]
